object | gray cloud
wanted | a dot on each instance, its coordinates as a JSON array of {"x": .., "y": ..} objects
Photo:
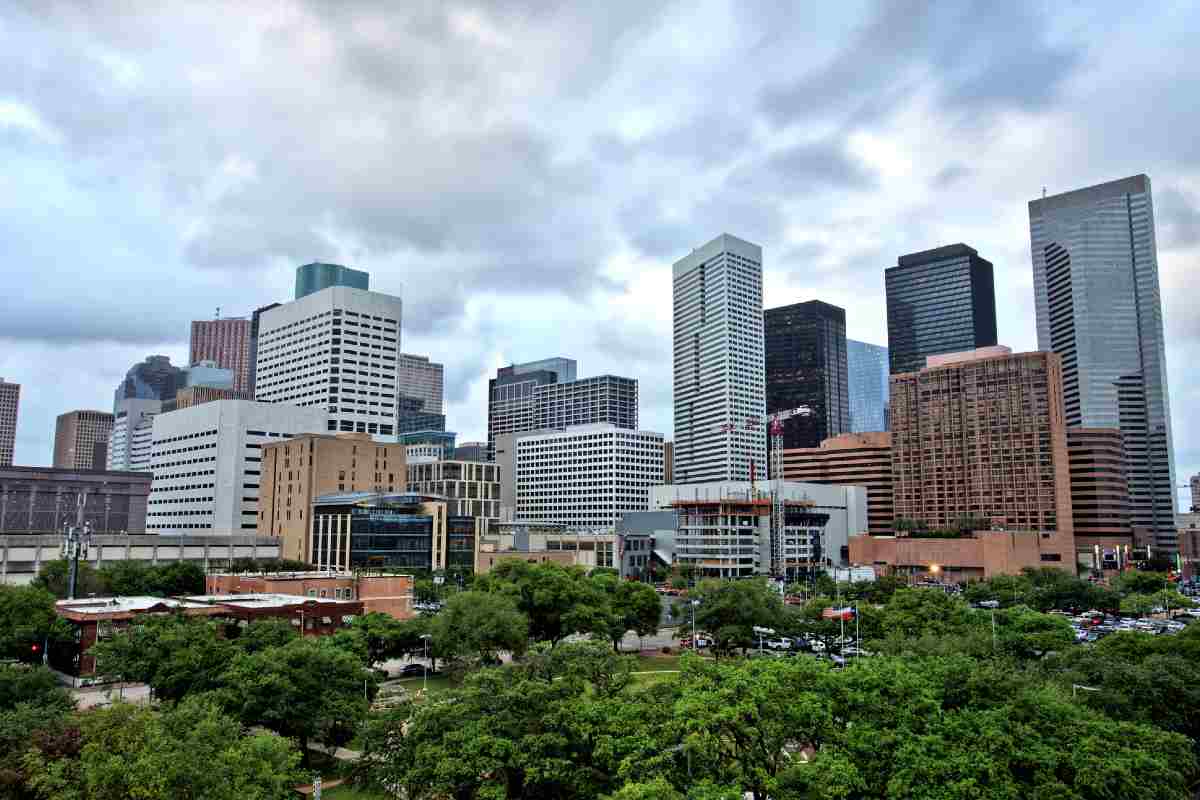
[{"x": 980, "y": 55}]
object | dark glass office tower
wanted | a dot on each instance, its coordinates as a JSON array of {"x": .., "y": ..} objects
[
  {"x": 806, "y": 366},
  {"x": 938, "y": 301},
  {"x": 1095, "y": 283},
  {"x": 156, "y": 378}
]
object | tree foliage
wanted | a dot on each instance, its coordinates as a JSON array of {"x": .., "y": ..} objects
[
  {"x": 27, "y": 617},
  {"x": 187, "y": 751},
  {"x": 174, "y": 654},
  {"x": 479, "y": 626},
  {"x": 557, "y": 600}
]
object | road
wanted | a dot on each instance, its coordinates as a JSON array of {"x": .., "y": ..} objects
[{"x": 92, "y": 697}]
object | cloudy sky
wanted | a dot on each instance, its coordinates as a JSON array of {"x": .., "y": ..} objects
[{"x": 524, "y": 174}]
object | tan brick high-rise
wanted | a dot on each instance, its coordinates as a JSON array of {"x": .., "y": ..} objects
[
  {"x": 81, "y": 439},
  {"x": 227, "y": 342},
  {"x": 982, "y": 434},
  {"x": 1099, "y": 496},
  {"x": 852, "y": 459},
  {"x": 297, "y": 471}
]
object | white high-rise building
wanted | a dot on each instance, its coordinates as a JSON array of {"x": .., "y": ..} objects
[
  {"x": 129, "y": 444},
  {"x": 422, "y": 379},
  {"x": 587, "y": 476},
  {"x": 720, "y": 372},
  {"x": 336, "y": 350},
  {"x": 207, "y": 462}
]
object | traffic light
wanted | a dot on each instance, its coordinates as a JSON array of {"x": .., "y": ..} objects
[{"x": 35, "y": 648}]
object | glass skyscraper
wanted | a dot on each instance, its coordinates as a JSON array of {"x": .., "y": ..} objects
[
  {"x": 316, "y": 276},
  {"x": 867, "y": 367},
  {"x": 806, "y": 366},
  {"x": 938, "y": 301},
  {"x": 1095, "y": 280}
]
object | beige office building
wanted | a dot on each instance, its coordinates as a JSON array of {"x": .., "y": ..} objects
[
  {"x": 297, "y": 471},
  {"x": 81, "y": 439},
  {"x": 851, "y": 459}
]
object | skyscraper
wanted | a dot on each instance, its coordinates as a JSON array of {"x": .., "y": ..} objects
[
  {"x": 10, "y": 396},
  {"x": 156, "y": 378},
  {"x": 720, "y": 381},
  {"x": 312, "y": 278},
  {"x": 422, "y": 379},
  {"x": 546, "y": 395},
  {"x": 81, "y": 439},
  {"x": 337, "y": 350},
  {"x": 867, "y": 366},
  {"x": 805, "y": 347},
  {"x": 131, "y": 441},
  {"x": 225, "y": 342},
  {"x": 1096, "y": 293},
  {"x": 255, "y": 322},
  {"x": 938, "y": 301}
]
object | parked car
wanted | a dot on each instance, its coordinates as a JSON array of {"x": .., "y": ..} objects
[
  {"x": 414, "y": 670},
  {"x": 702, "y": 641},
  {"x": 779, "y": 643}
]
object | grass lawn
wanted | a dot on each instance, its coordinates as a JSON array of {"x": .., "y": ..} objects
[
  {"x": 438, "y": 683},
  {"x": 656, "y": 663}
]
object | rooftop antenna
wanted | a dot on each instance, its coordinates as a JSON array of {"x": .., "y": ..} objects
[
  {"x": 219, "y": 308},
  {"x": 1043, "y": 192}
]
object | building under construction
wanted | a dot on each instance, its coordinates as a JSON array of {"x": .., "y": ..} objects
[{"x": 724, "y": 529}]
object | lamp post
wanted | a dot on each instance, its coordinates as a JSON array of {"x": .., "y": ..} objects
[
  {"x": 693, "y": 604},
  {"x": 425, "y": 675}
]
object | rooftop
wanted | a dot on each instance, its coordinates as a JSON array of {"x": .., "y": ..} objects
[
  {"x": 265, "y": 600},
  {"x": 122, "y": 605}
]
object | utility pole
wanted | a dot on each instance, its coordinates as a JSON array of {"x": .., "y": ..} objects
[{"x": 76, "y": 540}]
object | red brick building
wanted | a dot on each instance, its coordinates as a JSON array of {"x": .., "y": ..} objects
[
  {"x": 227, "y": 342},
  {"x": 387, "y": 594}
]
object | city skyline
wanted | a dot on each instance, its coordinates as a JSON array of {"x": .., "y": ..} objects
[{"x": 887, "y": 169}]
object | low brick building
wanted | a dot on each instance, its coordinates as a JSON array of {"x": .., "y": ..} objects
[
  {"x": 387, "y": 594},
  {"x": 979, "y": 556},
  {"x": 96, "y": 618}
]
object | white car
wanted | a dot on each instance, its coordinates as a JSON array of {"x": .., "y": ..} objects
[{"x": 779, "y": 643}]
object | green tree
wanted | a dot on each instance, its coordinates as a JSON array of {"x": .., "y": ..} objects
[
  {"x": 27, "y": 617},
  {"x": 1026, "y": 634},
  {"x": 191, "y": 751},
  {"x": 557, "y": 600},
  {"x": 479, "y": 626},
  {"x": 308, "y": 689},
  {"x": 1140, "y": 582},
  {"x": 174, "y": 654},
  {"x": 383, "y": 634},
  {"x": 24, "y": 684},
  {"x": 177, "y": 578},
  {"x": 262, "y": 634},
  {"x": 53, "y": 578},
  {"x": 730, "y": 610},
  {"x": 745, "y": 720},
  {"x": 126, "y": 578},
  {"x": 631, "y": 606}
]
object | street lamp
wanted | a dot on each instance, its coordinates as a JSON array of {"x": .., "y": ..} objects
[
  {"x": 425, "y": 637},
  {"x": 695, "y": 646}
]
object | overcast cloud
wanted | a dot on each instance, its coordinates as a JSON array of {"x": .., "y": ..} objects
[{"x": 524, "y": 173}]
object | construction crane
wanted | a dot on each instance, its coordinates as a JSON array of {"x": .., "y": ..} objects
[{"x": 774, "y": 422}]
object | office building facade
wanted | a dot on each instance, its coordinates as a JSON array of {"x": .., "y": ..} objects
[
  {"x": 1096, "y": 293},
  {"x": 42, "y": 500},
  {"x": 938, "y": 301},
  {"x": 806, "y": 366},
  {"x": 335, "y": 350},
  {"x": 547, "y": 395},
  {"x": 982, "y": 435},
  {"x": 255, "y": 324},
  {"x": 363, "y": 530},
  {"x": 423, "y": 380},
  {"x": 312, "y": 278},
  {"x": 81, "y": 440},
  {"x": 299, "y": 469},
  {"x": 226, "y": 343},
  {"x": 719, "y": 367},
  {"x": 207, "y": 463},
  {"x": 867, "y": 368},
  {"x": 471, "y": 451},
  {"x": 130, "y": 443},
  {"x": 10, "y": 399},
  {"x": 1195, "y": 485},
  {"x": 852, "y": 459},
  {"x": 585, "y": 477},
  {"x": 469, "y": 488},
  {"x": 1099, "y": 497}
]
